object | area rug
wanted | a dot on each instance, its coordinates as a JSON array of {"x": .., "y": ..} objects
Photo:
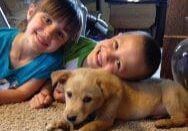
[{"x": 20, "y": 117}]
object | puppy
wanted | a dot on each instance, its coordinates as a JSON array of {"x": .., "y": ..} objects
[{"x": 89, "y": 91}]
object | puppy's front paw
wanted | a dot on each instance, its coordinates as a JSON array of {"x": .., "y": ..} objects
[
  {"x": 51, "y": 127},
  {"x": 165, "y": 124},
  {"x": 58, "y": 126}
]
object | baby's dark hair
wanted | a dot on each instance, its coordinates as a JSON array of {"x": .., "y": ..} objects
[
  {"x": 66, "y": 10},
  {"x": 152, "y": 54}
]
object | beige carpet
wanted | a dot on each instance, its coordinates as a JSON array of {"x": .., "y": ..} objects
[{"x": 20, "y": 117}]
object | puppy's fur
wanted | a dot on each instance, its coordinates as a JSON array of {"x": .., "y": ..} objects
[{"x": 95, "y": 90}]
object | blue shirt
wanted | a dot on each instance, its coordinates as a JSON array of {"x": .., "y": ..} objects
[{"x": 39, "y": 68}]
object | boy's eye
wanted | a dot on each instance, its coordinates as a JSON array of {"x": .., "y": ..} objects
[
  {"x": 116, "y": 45},
  {"x": 47, "y": 20},
  {"x": 118, "y": 64}
]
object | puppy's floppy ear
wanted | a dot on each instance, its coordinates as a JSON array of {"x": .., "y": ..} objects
[
  {"x": 103, "y": 87},
  {"x": 112, "y": 97},
  {"x": 60, "y": 76}
]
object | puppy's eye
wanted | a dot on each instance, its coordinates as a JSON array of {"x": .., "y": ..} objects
[
  {"x": 87, "y": 99},
  {"x": 69, "y": 94}
]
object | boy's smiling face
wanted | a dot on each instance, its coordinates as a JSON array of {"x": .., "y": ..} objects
[{"x": 122, "y": 55}]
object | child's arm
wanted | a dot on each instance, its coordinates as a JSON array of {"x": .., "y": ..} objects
[
  {"x": 21, "y": 93},
  {"x": 43, "y": 98}
]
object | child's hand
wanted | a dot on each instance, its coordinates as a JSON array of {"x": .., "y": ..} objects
[
  {"x": 41, "y": 100},
  {"x": 58, "y": 94}
]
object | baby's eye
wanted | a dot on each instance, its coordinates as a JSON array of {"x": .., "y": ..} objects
[
  {"x": 118, "y": 64},
  {"x": 116, "y": 45},
  {"x": 47, "y": 20}
]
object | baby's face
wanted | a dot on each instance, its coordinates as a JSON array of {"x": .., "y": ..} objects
[{"x": 122, "y": 55}]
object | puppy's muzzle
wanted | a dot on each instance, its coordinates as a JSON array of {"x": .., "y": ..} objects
[{"x": 71, "y": 119}]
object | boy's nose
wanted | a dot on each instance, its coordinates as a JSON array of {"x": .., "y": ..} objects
[{"x": 109, "y": 56}]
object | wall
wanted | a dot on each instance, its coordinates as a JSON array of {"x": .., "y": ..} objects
[
  {"x": 18, "y": 10},
  {"x": 177, "y": 17},
  {"x": 176, "y": 29}
]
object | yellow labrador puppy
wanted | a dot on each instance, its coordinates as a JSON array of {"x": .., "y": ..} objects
[{"x": 89, "y": 91}]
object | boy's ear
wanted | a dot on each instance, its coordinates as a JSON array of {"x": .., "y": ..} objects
[
  {"x": 31, "y": 11},
  {"x": 60, "y": 76}
]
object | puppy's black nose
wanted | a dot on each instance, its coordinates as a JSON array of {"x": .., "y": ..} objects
[{"x": 71, "y": 118}]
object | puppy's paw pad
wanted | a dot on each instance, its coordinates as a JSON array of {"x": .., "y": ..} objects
[{"x": 50, "y": 127}]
